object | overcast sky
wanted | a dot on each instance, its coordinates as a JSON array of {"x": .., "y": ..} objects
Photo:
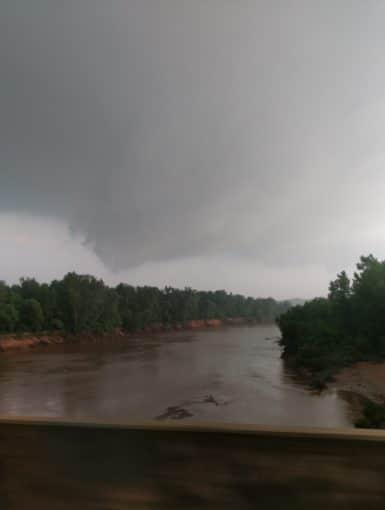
[{"x": 213, "y": 143}]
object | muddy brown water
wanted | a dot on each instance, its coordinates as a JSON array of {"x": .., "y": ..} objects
[{"x": 223, "y": 375}]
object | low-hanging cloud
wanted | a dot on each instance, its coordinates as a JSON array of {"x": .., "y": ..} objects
[{"x": 167, "y": 129}]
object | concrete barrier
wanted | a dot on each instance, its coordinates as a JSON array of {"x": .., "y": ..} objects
[{"x": 55, "y": 465}]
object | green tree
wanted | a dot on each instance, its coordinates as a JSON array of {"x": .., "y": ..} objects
[
  {"x": 339, "y": 289},
  {"x": 127, "y": 304},
  {"x": 83, "y": 303},
  {"x": 8, "y": 318},
  {"x": 212, "y": 310},
  {"x": 31, "y": 315},
  {"x": 348, "y": 326},
  {"x": 190, "y": 304}
]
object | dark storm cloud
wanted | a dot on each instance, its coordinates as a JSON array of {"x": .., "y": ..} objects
[{"x": 162, "y": 129}]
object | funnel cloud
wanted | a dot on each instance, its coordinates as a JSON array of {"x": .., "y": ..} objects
[{"x": 238, "y": 145}]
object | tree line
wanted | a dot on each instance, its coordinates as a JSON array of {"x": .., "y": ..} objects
[
  {"x": 349, "y": 325},
  {"x": 83, "y": 303}
]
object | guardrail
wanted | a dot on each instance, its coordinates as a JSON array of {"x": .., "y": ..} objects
[{"x": 52, "y": 464}]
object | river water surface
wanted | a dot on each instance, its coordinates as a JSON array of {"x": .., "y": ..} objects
[{"x": 224, "y": 375}]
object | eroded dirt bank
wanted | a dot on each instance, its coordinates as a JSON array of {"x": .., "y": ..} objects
[
  {"x": 27, "y": 341},
  {"x": 361, "y": 385},
  {"x": 365, "y": 378}
]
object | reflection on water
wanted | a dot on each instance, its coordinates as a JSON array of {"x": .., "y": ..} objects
[{"x": 227, "y": 375}]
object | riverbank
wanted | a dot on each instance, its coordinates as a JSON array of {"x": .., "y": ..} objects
[
  {"x": 364, "y": 378},
  {"x": 26, "y": 341},
  {"x": 361, "y": 385}
]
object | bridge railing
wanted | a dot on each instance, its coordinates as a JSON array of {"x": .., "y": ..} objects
[{"x": 53, "y": 464}]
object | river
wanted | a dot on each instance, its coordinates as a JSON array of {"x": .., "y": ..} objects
[{"x": 232, "y": 375}]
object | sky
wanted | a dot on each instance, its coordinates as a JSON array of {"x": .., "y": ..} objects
[{"x": 236, "y": 144}]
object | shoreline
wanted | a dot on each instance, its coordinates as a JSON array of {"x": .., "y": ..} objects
[
  {"x": 361, "y": 385},
  {"x": 22, "y": 342},
  {"x": 364, "y": 378}
]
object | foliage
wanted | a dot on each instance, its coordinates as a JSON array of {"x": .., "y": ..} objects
[
  {"x": 83, "y": 303},
  {"x": 373, "y": 416},
  {"x": 347, "y": 326},
  {"x": 31, "y": 315},
  {"x": 8, "y": 317}
]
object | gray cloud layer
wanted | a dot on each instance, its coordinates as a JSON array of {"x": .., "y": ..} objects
[{"x": 163, "y": 129}]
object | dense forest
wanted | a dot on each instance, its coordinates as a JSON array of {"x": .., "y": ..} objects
[
  {"x": 83, "y": 303},
  {"x": 349, "y": 325}
]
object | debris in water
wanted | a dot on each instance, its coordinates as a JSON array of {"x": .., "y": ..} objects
[
  {"x": 209, "y": 399},
  {"x": 174, "y": 413}
]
